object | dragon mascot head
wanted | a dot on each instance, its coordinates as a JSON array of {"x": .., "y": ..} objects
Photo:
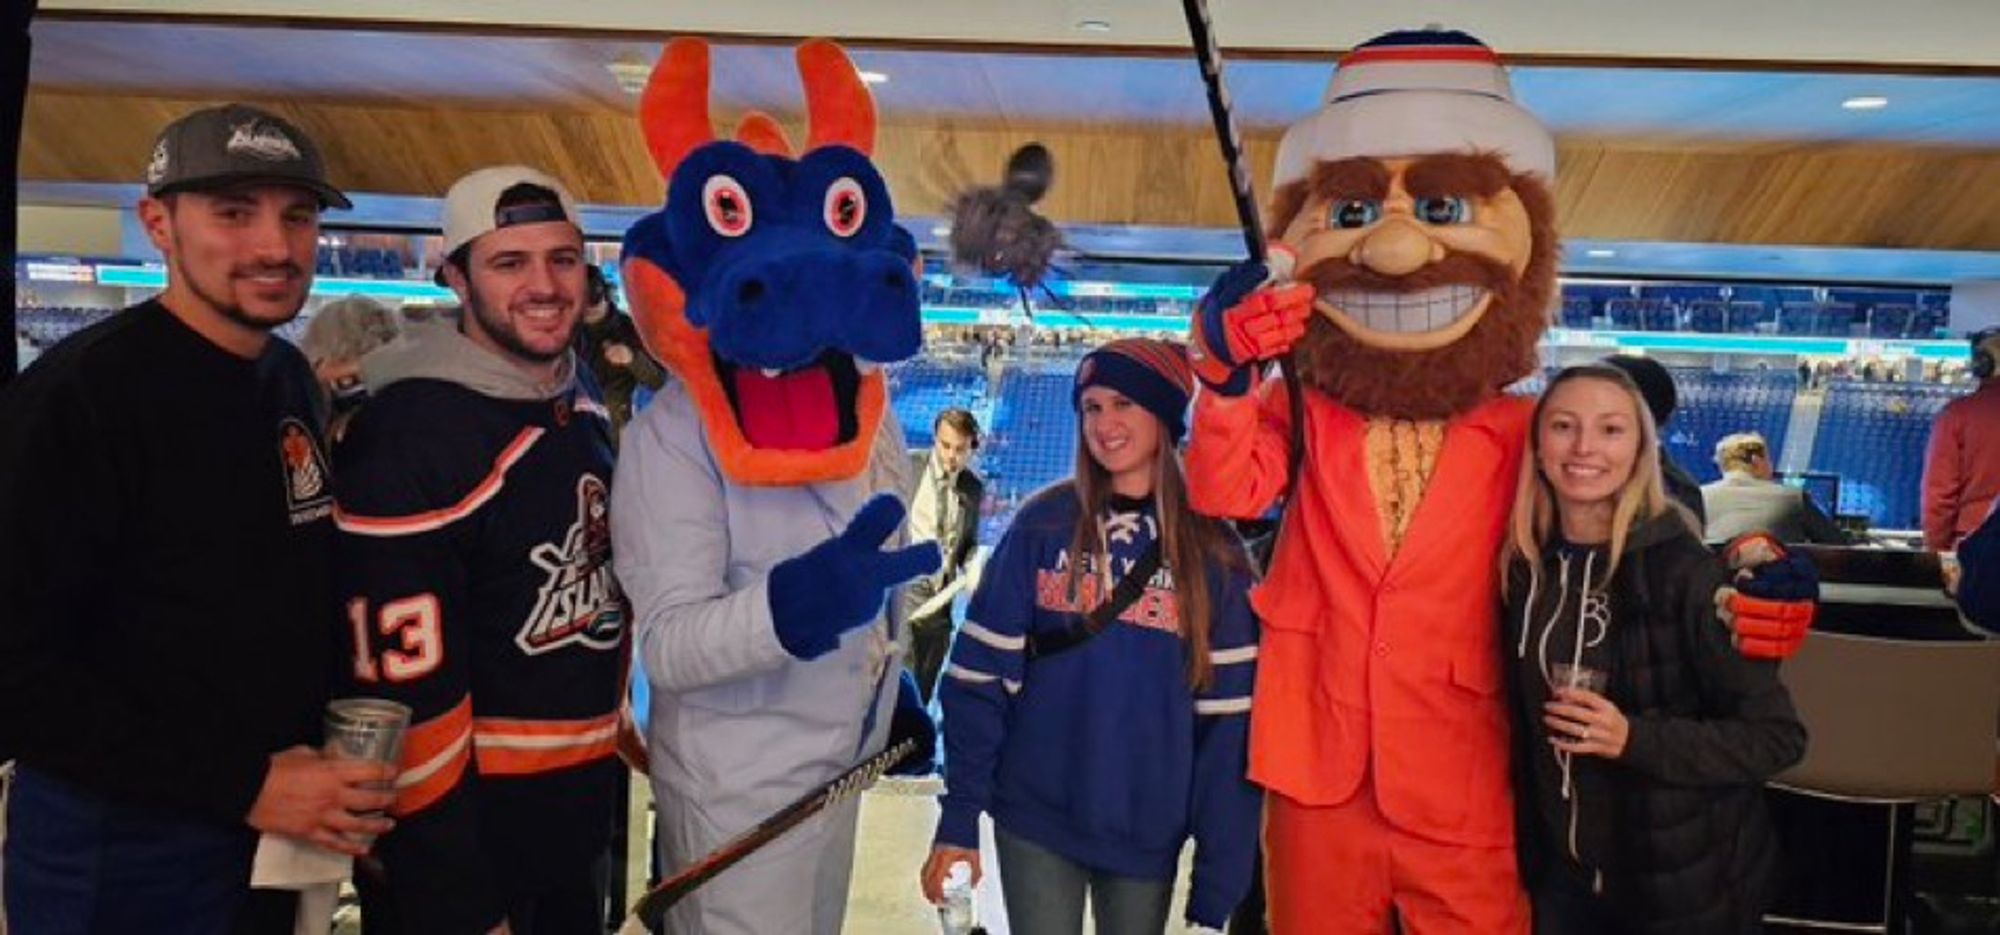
[
  {"x": 773, "y": 285},
  {"x": 1417, "y": 201}
]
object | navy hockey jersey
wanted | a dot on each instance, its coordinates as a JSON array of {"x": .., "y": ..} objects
[{"x": 474, "y": 559}]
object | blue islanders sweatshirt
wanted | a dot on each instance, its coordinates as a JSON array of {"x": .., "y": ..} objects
[{"x": 1103, "y": 753}]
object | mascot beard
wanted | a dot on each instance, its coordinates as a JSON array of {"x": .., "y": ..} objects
[{"x": 1440, "y": 382}]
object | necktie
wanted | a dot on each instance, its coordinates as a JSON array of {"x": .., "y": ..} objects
[{"x": 943, "y": 510}]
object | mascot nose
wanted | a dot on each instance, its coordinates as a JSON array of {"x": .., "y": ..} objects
[
  {"x": 883, "y": 292},
  {"x": 1398, "y": 247}
]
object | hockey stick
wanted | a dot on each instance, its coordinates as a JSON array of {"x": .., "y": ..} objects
[
  {"x": 1202, "y": 33},
  {"x": 653, "y": 906}
]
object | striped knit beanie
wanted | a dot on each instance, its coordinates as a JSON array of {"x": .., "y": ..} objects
[
  {"x": 1153, "y": 373},
  {"x": 1413, "y": 93}
]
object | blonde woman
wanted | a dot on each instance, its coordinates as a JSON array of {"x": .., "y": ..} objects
[{"x": 1643, "y": 737}]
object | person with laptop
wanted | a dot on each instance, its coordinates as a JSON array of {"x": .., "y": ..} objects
[{"x": 1747, "y": 498}]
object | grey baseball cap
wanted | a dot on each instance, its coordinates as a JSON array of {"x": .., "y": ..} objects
[{"x": 234, "y": 144}]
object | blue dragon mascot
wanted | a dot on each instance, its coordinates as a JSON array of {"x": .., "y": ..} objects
[{"x": 755, "y": 506}]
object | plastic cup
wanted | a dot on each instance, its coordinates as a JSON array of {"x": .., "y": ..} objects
[
  {"x": 1590, "y": 679},
  {"x": 370, "y": 729},
  {"x": 366, "y": 729}
]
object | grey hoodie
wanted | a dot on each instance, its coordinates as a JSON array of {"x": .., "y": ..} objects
[{"x": 436, "y": 350}]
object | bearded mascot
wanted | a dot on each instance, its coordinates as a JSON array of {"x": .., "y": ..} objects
[
  {"x": 1416, "y": 205},
  {"x": 755, "y": 495}
]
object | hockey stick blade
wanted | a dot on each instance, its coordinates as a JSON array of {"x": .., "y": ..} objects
[{"x": 653, "y": 906}]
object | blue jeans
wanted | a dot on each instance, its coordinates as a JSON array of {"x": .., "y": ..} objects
[
  {"x": 79, "y": 865},
  {"x": 1044, "y": 893}
]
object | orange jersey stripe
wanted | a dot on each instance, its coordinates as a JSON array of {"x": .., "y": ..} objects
[
  {"x": 437, "y": 519},
  {"x": 434, "y": 756},
  {"x": 510, "y": 747}
]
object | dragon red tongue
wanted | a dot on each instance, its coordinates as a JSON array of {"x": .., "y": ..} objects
[{"x": 795, "y": 411}]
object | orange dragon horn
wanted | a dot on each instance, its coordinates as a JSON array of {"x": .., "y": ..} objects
[
  {"x": 840, "y": 109},
  {"x": 674, "y": 108},
  {"x": 761, "y": 133}
]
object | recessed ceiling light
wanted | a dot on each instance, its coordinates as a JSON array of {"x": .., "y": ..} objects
[
  {"x": 873, "y": 77},
  {"x": 631, "y": 71},
  {"x": 1093, "y": 25},
  {"x": 1600, "y": 253},
  {"x": 1868, "y": 102}
]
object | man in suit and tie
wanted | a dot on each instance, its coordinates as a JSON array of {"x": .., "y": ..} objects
[
  {"x": 1746, "y": 499},
  {"x": 943, "y": 509}
]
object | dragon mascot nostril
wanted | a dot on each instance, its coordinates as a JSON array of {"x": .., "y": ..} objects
[{"x": 755, "y": 495}]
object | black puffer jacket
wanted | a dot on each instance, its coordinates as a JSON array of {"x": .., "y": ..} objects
[{"x": 1674, "y": 833}]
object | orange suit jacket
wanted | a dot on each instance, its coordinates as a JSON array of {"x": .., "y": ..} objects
[{"x": 1371, "y": 661}]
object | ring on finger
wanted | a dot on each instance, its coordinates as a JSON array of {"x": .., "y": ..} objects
[{"x": 1585, "y": 736}]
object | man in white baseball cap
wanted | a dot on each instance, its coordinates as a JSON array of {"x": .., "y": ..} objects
[{"x": 474, "y": 555}]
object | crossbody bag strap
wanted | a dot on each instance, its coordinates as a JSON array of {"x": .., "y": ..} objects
[{"x": 1049, "y": 642}]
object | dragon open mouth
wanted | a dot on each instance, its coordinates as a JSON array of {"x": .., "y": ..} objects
[{"x": 809, "y": 408}]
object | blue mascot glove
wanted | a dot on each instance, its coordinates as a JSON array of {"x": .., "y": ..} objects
[
  {"x": 1773, "y": 598},
  {"x": 1246, "y": 319},
  {"x": 912, "y": 722},
  {"x": 839, "y": 585}
]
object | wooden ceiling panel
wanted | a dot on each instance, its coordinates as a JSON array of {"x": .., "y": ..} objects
[{"x": 1836, "y": 195}]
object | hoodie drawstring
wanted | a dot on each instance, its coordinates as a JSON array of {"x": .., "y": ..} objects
[{"x": 1593, "y": 623}]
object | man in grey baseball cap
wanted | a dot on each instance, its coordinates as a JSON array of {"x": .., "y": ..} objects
[
  {"x": 166, "y": 536},
  {"x": 237, "y": 144}
]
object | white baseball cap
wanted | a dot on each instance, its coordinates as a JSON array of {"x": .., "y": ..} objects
[{"x": 472, "y": 206}]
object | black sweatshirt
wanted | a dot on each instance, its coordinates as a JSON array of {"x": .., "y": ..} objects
[
  {"x": 165, "y": 533},
  {"x": 1676, "y": 826}
]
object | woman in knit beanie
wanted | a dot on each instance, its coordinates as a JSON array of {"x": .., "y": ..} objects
[{"x": 1103, "y": 726}]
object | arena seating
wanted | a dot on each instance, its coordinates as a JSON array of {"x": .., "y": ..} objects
[
  {"x": 1873, "y": 435},
  {"x": 921, "y": 388},
  {"x": 359, "y": 263},
  {"x": 46, "y": 326},
  {"x": 1713, "y": 405}
]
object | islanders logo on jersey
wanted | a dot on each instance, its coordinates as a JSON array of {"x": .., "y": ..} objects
[
  {"x": 579, "y": 601},
  {"x": 306, "y": 492}
]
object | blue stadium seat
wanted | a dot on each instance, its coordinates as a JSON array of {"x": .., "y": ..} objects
[
  {"x": 1749, "y": 316},
  {"x": 1713, "y": 405},
  {"x": 1928, "y": 322},
  {"x": 921, "y": 388},
  {"x": 1624, "y": 314},
  {"x": 1709, "y": 316},
  {"x": 1890, "y": 321},
  {"x": 1872, "y": 435},
  {"x": 1658, "y": 315},
  {"x": 1576, "y": 312},
  {"x": 1834, "y": 319},
  {"x": 1797, "y": 318}
]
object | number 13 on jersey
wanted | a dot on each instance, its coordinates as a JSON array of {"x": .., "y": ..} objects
[{"x": 415, "y": 643}]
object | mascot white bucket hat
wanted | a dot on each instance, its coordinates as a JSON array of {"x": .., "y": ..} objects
[{"x": 1417, "y": 92}]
